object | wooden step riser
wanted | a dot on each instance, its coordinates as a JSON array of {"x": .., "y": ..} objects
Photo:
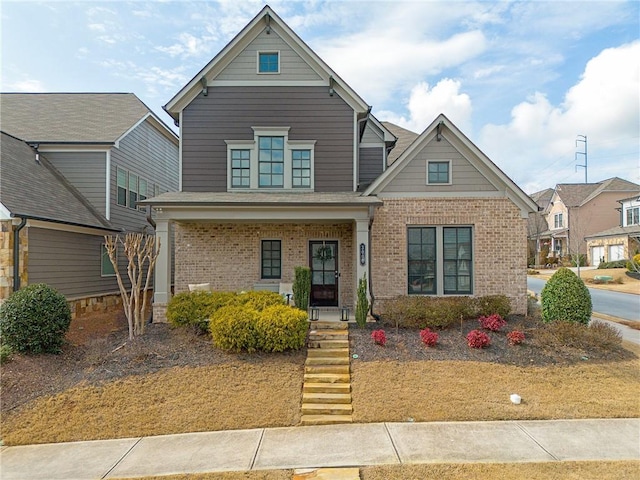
[
  {"x": 326, "y": 409},
  {"x": 311, "y": 387},
  {"x": 320, "y": 325},
  {"x": 325, "y": 419},
  {"x": 326, "y": 398},
  {"x": 327, "y": 344},
  {"x": 327, "y": 369},
  {"x": 327, "y": 378},
  {"x": 328, "y": 352},
  {"x": 327, "y": 361}
]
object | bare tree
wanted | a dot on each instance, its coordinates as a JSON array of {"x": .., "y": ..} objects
[
  {"x": 577, "y": 243},
  {"x": 141, "y": 253}
]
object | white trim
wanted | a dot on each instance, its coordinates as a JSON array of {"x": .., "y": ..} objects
[
  {"x": 68, "y": 228},
  {"x": 449, "y": 171},
  {"x": 372, "y": 145},
  {"x": 180, "y": 154},
  {"x": 356, "y": 152},
  {"x": 54, "y": 148},
  {"x": 265, "y": 214},
  {"x": 483, "y": 194},
  {"x": 128, "y": 131},
  {"x": 5, "y": 214},
  {"x": 155, "y": 122},
  {"x": 268, "y": 83},
  {"x": 267, "y": 52},
  {"x": 107, "y": 209}
]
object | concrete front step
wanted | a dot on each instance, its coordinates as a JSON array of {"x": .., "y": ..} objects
[
  {"x": 327, "y": 361},
  {"x": 329, "y": 332},
  {"x": 328, "y": 352},
  {"x": 327, "y": 344},
  {"x": 326, "y": 369},
  {"x": 326, "y": 409},
  {"x": 319, "y": 387},
  {"x": 326, "y": 398},
  {"x": 325, "y": 419},
  {"x": 320, "y": 325},
  {"x": 327, "y": 378}
]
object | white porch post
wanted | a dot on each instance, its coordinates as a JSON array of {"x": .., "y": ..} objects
[
  {"x": 362, "y": 249},
  {"x": 162, "y": 285}
]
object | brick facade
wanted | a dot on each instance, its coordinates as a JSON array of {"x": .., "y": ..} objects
[
  {"x": 6, "y": 258},
  {"x": 499, "y": 244},
  {"x": 630, "y": 247},
  {"x": 228, "y": 255}
]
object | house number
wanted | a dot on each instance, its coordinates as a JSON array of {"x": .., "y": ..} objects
[{"x": 363, "y": 254}]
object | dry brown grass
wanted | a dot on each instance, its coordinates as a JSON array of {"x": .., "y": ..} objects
[
  {"x": 621, "y": 281},
  {"x": 179, "y": 400},
  {"x": 600, "y": 470},
  {"x": 465, "y": 391}
]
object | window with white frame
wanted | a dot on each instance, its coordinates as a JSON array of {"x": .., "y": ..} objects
[
  {"x": 132, "y": 188},
  {"x": 438, "y": 172},
  {"x": 268, "y": 62},
  {"x": 557, "y": 220},
  {"x": 440, "y": 260},
  {"x": 633, "y": 216},
  {"x": 270, "y": 161}
]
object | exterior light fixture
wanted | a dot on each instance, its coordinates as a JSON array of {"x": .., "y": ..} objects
[
  {"x": 344, "y": 314},
  {"x": 331, "y": 84},
  {"x": 314, "y": 314}
]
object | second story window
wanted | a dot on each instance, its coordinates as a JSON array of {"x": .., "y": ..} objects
[
  {"x": 122, "y": 187},
  {"x": 268, "y": 62},
  {"x": 132, "y": 188},
  {"x": 557, "y": 220},
  {"x": 633, "y": 216},
  {"x": 240, "y": 168},
  {"x": 301, "y": 168},
  {"x": 439, "y": 173},
  {"x": 271, "y": 162}
]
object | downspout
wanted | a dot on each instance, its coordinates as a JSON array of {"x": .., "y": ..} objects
[
  {"x": 16, "y": 253},
  {"x": 149, "y": 219},
  {"x": 373, "y": 298}
]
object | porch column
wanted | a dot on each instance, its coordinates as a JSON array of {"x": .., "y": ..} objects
[
  {"x": 162, "y": 283},
  {"x": 362, "y": 249}
]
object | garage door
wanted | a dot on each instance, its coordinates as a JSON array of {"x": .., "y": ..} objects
[
  {"x": 596, "y": 255},
  {"x": 616, "y": 252}
]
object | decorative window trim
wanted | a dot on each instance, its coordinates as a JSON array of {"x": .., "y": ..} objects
[
  {"x": 558, "y": 220},
  {"x": 633, "y": 216},
  {"x": 253, "y": 146},
  {"x": 449, "y": 171},
  {"x": 267, "y": 52},
  {"x": 143, "y": 189},
  {"x": 106, "y": 262}
]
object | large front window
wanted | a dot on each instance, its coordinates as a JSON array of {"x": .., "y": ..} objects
[
  {"x": 271, "y": 162},
  {"x": 440, "y": 260}
]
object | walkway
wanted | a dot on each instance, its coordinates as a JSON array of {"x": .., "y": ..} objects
[{"x": 327, "y": 446}]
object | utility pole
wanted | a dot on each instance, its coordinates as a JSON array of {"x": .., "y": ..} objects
[{"x": 582, "y": 139}]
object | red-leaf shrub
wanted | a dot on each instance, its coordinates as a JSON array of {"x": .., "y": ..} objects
[
  {"x": 493, "y": 322},
  {"x": 428, "y": 337},
  {"x": 478, "y": 339},
  {"x": 379, "y": 337},
  {"x": 515, "y": 338}
]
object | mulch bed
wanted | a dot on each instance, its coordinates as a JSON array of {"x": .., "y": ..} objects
[{"x": 404, "y": 345}]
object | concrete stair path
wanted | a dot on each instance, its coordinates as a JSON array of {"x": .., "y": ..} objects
[{"x": 326, "y": 392}]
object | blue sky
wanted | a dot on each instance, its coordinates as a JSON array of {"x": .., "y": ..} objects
[{"x": 521, "y": 79}]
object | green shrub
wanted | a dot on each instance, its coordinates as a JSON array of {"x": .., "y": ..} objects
[
  {"x": 35, "y": 319},
  {"x": 614, "y": 264},
  {"x": 412, "y": 311},
  {"x": 259, "y": 299},
  {"x": 302, "y": 287},
  {"x": 566, "y": 298},
  {"x": 492, "y": 304},
  {"x": 5, "y": 353},
  {"x": 633, "y": 265},
  {"x": 280, "y": 328},
  {"x": 195, "y": 308},
  {"x": 233, "y": 328},
  {"x": 362, "y": 307}
]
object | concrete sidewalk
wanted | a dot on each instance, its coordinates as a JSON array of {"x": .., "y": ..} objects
[{"x": 327, "y": 446}]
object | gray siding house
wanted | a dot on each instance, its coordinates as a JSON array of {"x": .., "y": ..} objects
[
  {"x": 73, "y": 167},
  {"x": 282, "y": 164}
]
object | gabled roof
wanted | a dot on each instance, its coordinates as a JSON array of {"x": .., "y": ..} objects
[
  {"x": 631, "y": 230},
  {"x": 405, "y": 138},
  {"x": 73, "y": 118},
  {"x": 31, "y": 186},
  {"x": 543, "y": 197},
  {"x": 266, "y": 17},
  {"x": 443, "y": 126},
  {"x": 578, "y": 194}
]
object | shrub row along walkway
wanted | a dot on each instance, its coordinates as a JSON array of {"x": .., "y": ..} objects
[{"x": 326, "y": 393}]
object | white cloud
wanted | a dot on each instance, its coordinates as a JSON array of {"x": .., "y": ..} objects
[
  {"x": 187, "y": 46},
  {"x": 26, "y": 85},
  {"x": 604, "y": 105},
  {"x": 425, "y": 104}
]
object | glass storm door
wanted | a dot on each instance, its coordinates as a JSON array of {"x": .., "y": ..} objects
[{"x": 323, "y": 259}]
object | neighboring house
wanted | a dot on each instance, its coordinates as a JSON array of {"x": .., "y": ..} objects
[
  {"x": 578, "y": 210},
  {"x": 282, "y": 165},
  {"x": 73, "y": 166},
  {"x": 620, "y": 242},
  {"x": 536, "y": 225}
]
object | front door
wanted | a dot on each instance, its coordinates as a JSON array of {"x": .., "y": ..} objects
[{"x": 323, "y": 259}]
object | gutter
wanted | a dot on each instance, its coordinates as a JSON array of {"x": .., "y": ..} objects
[{"x": 16, "y": 253}]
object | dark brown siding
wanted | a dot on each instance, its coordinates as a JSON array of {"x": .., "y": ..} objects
[
  {"x": 228, "y": 113},
  {"x": 370, "y": 166}
]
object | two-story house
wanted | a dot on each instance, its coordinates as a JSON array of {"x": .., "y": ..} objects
[
  {"x": 73, "y": 167},
  {"x": 578, "y": 210},
  {"x": 622, "y": 241},
  {"x": 282, "y": 164}
]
